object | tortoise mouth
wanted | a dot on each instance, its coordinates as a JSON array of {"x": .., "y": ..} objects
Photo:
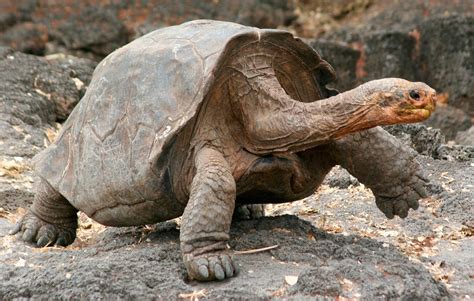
[
  {"x": 423, "y": 112},
  {"x": 419, "y": 113}
]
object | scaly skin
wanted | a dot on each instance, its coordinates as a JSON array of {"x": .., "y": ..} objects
[
  {"x": 375, "y": 157},
  {"x": 207, "y": 218},
  {"x": 249, "y": 211},
  {"x": 386, "y": 166},
  {"x": 51, "y": 220},
  {"x": 275, "y": 123}
]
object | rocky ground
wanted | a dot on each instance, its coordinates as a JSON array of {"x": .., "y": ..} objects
[{"x": 335, "y": 243}]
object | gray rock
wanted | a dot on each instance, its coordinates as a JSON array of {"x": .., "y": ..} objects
[
  {"x": 389, "y": 54},
  {"x": 451, "y": 39},
  {"x": 423, "y": 139},
  {"x": 100, "y": 26},
  {"x": 68, "y": 88},
  {"x": 344, "y": 60},
  {"x": 34, "y": 94},
  {"x": 96, "y": 30},
  {"x": 135, "y": 263},
  {"x": 455, "y": 152},
  {"x": 26, "y": 37},
  {"x": 449, "y": 120},
  {"x": 466, "y": 137},
  {"x": 7, "y": 19},
  {"x": 341, "y": 178},
  {"x": 430, "y": 142}
]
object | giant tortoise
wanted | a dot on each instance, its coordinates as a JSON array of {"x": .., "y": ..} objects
[{"x": 196, "y": 119}]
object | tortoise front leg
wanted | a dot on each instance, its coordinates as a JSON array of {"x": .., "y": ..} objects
[
  {"x": 207, "y": 218},
  {"x": 386, "y": 166}
]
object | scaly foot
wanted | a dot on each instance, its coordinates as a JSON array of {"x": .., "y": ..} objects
[
  {"x": 210, "y": 266},
  {"x": 406, "y": 198},
  {"x": 33, "y": 229},
  {"x": 249, "y": 211}
]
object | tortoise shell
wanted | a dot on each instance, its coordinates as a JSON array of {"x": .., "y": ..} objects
[{"x": 111, "y": 154}]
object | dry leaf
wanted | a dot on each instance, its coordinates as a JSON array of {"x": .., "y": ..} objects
[
  {"x": 194, "y": 296},
  {"x": 389, "y": 233},
  {"x": 20, "y": 263},
  {"x": 3, "y": 213},
  {"x": 279, "y": 292},
  {"x": 12, "y": 168},
  {"x": 347, "y": 285},
  {"x": 291, "y": 280}
]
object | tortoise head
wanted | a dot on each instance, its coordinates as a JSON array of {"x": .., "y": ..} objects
[{"x": 403, "y": 101}]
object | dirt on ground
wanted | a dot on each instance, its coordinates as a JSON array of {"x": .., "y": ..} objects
[{"x": 333, "y": 244}]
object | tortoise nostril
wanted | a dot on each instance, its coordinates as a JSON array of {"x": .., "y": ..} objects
[{"x": 414, "y": 95}]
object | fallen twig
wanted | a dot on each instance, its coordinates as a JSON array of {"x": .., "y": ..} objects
[
  {"x": 257, "y": 250},
  {"x": 194, "y": 296}
]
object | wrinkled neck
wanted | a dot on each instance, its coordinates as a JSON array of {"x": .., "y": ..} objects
[
  {"x": 348, "y": 112},
  {"x": 274, "y": 122}
]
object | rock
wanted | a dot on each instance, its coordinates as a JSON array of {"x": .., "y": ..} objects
[
  {"x": 26, "y": 37},
  {"x": 450, "y": 38},
  {"x": 258, "y": 13},
  {"x": 423, "y": 139},
  {"x": 384, "y": 53},
  {"x": 7, "y": 19},
  {"x": 402, "y": 16},
  {"x": 343, "y": 58},
  {"x": 389, "y": 54},
  {"x": 102, "y": 26},
  {"x": 455, "y": 153},
  {"x": 66, "y": 91},
  {"x": 430, "y": 142},
  {"x": 34, "y": 95},
  {"x": 144, "y": 264},
  {"x": 25, "y": 113},
  {"x": 76, "y": 68},
  {"x": 91, "y": 29},
  {"x": 142, "y": 18},
  {"x": 354, "y": 280},
  {"x": 315, "y": 18},
  {"x": 466, "y": 137},
  {"x": 449, "y": 120},
  {"x": 340, "y": 178}
]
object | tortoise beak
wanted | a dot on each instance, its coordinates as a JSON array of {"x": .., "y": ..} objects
[{"x": 430, "y": 100}]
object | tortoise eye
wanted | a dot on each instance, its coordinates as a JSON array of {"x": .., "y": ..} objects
[{"x": 415, "y": 95}]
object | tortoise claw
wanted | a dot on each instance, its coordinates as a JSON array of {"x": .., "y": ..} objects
[
  {"x": 34, "y": 230},
  {"x": 407, "y": 197},
  {"x": 208, "y": 267},
  {"x": 15, "y": 229}
]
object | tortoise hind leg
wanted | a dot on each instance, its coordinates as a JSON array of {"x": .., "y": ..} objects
[
  {"x": 51, "y": 220},
  {"x": 249, "y": 211},
  {"x": 207, "y": 218}
]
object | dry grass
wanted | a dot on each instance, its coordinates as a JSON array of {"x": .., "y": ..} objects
[{"x": 13, "y": 168}]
